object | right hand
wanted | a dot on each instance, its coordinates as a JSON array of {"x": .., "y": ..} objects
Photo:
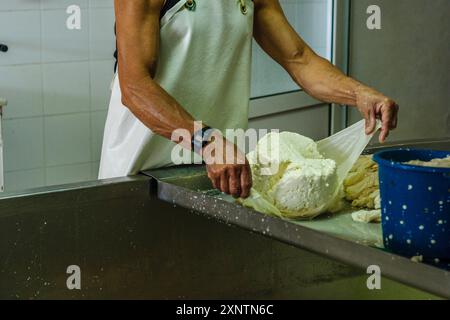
[{"x": 233, "y": 178}]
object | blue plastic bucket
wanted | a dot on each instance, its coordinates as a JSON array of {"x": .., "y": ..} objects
[{"x": 415, "y": 204}]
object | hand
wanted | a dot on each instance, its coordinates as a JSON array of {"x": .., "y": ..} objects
[
  {"x": 374, "y": 105},
  {"x": 232, "y": 176}
]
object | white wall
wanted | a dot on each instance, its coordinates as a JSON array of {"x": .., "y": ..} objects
[
  {"x": 409, "y": 60},
  {"x": 311, "y": 19},
  {"x": 57, "y": 83}
]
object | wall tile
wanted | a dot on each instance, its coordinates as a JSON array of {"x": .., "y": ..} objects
[
  {"x": 61, "y": 44},
  {"x": 67, "y": 139},
  {"x": 95, "y": 169},
  {"x": 98, "y": 120},
  {"x": 312, "y": 22},
  {"x": 22, "y": 87},
  {"x": 311, "y": 122},
  {"x": 102, "y": 73},
  {"x": 62, "y": 4},
  {"x": 20, "y": 31},
  {"x": 68, "y": 174},
  {"x": 19, "y": 5},
  {"x": 322, "y": 51},
  {"x": 23, "y": 144},
  {"x": 24, "y": 179},
  {"x": 101, "y": 3},
  {"x": 66, "y": 87},
  {"x": 101, "y": 28}
]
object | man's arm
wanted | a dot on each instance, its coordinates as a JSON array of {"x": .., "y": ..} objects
[
  {"x": 137, "y": 24},
  {"x": 317, "y": 76},
  {"x": 137, "y": 28}
]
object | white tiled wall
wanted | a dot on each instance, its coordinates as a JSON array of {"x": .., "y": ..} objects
[
  {"x": 311, "y": 19},
  {"x": 57, "y": 83}
]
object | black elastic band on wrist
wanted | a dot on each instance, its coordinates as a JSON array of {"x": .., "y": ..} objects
[{"x": 197, "y": 141}]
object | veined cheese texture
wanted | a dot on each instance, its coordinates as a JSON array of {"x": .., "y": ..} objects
[{"x": 291, "y": 177}]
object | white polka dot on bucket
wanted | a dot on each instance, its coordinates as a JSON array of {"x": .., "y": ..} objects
[
  {"x": 405, "y": 207},
  {"x": 410, "y": 187},
  {"x": 421, "y": 227}
]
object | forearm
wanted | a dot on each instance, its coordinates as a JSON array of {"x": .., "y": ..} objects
[
  {"x": 155, "y": 108},
  {"x": 322, "y": 80}
]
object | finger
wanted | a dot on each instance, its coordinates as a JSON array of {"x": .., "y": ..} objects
[
  {"x": 216, "y": 182},
  {"x": 378, "y": 112},
  {"x": 246, "y": 182},
  {"x": 387, "y": 112},
  {"x": 234, "y": 182},
  {"x": 385, "y": 118},
  {"x": 394, "y": 119},
  {"x": 224, "y": 182},
  {"x": 211, "y": 178},
  {"x": 388, "y": 118},
  {"x": 383, "y": 136},
  {"x": 371, "y": 121}
]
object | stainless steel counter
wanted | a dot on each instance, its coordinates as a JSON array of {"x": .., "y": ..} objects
[{"x": 333, "y": 236}]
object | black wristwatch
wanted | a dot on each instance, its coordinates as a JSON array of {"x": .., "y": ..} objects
[{"x": 200, "y": 139}]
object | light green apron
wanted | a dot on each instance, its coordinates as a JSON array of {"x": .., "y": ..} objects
[{"x": 204, "y": 63}]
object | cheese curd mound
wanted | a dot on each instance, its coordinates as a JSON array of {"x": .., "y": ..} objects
[
  {"x": 436, "y": 163},
  {"x": 291, "y": 175}
]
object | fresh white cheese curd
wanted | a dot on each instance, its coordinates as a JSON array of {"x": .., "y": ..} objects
[{"x": 300, "y": 183}]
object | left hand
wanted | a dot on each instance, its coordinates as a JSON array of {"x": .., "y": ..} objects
[{"x": 374, "y": 105}]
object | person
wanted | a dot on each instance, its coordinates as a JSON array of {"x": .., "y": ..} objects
[{"x": 182, "y": 61}]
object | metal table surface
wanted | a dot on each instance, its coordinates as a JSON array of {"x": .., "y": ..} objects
[{"x": 335, "y": 236}]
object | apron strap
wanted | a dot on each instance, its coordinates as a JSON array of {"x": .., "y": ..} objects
[{"x": 167, "y": 6}]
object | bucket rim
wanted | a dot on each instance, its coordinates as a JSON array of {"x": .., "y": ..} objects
[{"x": 379, "y": 158}]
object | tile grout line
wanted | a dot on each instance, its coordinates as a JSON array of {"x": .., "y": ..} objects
[
  {"x": 91, "y": 146},
  {"x": 44, "y": 148},
  {"x": 52, "y": 166},
  {"x": 56, "y": 62},
  {"x": 55, "y": 114},
  {"x": 54, "y": 9}
]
